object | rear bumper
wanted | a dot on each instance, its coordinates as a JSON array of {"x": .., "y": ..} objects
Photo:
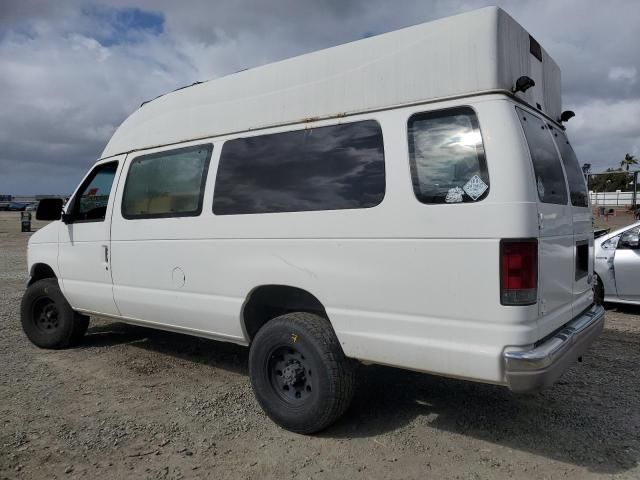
[{"x": 531, "y": 370}]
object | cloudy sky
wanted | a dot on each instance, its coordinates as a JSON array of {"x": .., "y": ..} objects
[{"x": 71, "y": 71}]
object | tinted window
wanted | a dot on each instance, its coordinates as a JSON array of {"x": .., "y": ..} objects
[
  {"x": 326, "y": 168},
  {"x": 93, "y": 197},
  {"x": 550, "y": 181},
  {"x": 447, "y": 157},
  {"x": 630, "y": 236},
  {"x": 167, "y": 184},
  {"x": 575, "y": 177}
]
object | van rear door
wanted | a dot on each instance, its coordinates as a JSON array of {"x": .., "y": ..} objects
[
  {"x": 582, "y": 224},
  {"x": 555, "y": 222}
]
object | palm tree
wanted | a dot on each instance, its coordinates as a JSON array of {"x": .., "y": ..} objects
[{"x": 628, "y": 161}]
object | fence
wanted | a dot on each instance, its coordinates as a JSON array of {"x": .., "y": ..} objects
[{"x": 611, "y": 199}]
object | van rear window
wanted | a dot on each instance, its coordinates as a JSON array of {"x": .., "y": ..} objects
[
  {"x": 447, "y": 158},
  {"x": 575, "y": 177},
  {"x": 324, "y": 168},
  {"x": 550, "y": 181}
]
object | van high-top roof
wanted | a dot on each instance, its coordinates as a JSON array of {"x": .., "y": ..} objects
[{"x": 477, "y": 52}]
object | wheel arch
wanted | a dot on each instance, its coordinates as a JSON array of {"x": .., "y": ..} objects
[
  {"x": 266, "y": 302},
  {"x": 40, "y": 271}
]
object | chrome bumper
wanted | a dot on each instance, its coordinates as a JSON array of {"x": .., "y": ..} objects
[{"x": 531, "y": 370}]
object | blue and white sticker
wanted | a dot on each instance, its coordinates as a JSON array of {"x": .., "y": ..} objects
[{"x": 475, "y": 187}]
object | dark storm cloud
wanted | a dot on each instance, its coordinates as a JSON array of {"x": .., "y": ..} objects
[{"x": 72, "y": 71}]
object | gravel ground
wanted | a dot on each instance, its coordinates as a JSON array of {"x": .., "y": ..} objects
[{"x": 136, "y": 403}]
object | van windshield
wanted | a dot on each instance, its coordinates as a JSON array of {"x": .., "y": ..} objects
[{"x": 575, "y": 177}]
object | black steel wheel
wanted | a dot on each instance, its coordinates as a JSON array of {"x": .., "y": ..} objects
[
  {"x": 45, "y": 314},
  {"x": 290, "y": 375},
  {"x": 299, "y": 373},
  {"x": 47, "y": 318}
]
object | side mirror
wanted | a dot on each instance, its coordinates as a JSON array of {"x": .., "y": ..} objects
[
  {"x": 630, "y": 241},
  {"x": 49, "y": 209}
]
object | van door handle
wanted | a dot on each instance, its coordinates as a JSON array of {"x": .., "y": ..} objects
[{"x": 106, "y": 254}]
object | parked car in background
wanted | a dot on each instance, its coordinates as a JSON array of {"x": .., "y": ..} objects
[
  {"x": 617, "y": 266},
  {"x": 32, "y": 207},
  {"x": 17, "y": 206}
]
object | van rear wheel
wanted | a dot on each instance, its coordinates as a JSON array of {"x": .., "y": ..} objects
[
  {"x": 299, "y": 373},
  {"x": 47, "y": 318}
]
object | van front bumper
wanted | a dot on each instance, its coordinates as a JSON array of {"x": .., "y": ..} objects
[{"x": 534, "y": 369}]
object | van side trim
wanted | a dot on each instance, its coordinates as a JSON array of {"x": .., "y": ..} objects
[{"x": 169, "y": 328}]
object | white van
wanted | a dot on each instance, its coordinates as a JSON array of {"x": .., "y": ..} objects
[{"x": 409, "y": 199}]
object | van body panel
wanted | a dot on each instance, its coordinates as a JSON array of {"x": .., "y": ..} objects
[
  {"x": 412, "y": 282},
  {"x": 385, "y": 316},
  {"x": 398, "y": 288},
  {"x": 406, "y": 264},
  {"x": 555, "y": 269},
  {"x": 43, "y": 248}
]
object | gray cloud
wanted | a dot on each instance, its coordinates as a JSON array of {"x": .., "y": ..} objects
[{"x": 63, "y": 92}]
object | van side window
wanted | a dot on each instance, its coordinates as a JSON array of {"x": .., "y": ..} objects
[
  {"x": 93, "y": 196},
  {"x": 575, "y": 177},
  {"x": 446, "y": 155},
  {"x": 167, "y": 184},
  {"x": 325, "y": 168},
  {"x": 550, "y": 182}
]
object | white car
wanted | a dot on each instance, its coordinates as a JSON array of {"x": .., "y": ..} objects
[
  {"x": 617, "y": 266},
  {"x": 409, "y": 199}
]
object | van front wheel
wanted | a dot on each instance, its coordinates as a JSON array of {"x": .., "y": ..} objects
[
  {"x": 47, "y": 318},
  {"x": 299, "y": 373}
]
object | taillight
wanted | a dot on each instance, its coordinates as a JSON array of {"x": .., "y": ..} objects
[{"x": 518, "y": 272}]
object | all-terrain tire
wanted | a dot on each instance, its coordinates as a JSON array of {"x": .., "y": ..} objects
[
  {"x": 47, "y": 318},
  {"x": 299, "y": 373}
]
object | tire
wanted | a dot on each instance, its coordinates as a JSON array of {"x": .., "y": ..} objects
[
  {"x": 299, "y": 373},
  {"x": 598, "y": 291},
  {"x": 47, "y": 318}
]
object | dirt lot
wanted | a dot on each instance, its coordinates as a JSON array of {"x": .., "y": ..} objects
[
  {"x": 622, "y": 218},
  {"x": 136, "y": 403}
]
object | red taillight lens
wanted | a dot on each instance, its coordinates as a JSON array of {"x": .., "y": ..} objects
[{"x": 518, "y": 272}]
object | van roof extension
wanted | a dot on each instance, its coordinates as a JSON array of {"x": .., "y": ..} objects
[{"x": 477, "y": 52}]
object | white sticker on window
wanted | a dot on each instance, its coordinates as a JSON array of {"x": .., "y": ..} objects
[
  {"x": 475, "y": 187},
  {"x": 454, "y": 195},
  {"x": 540, "y": 187}
]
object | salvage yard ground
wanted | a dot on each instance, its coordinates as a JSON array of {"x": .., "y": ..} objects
[{"x": 136, "y": 403}]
